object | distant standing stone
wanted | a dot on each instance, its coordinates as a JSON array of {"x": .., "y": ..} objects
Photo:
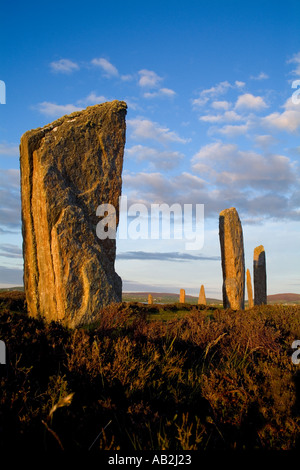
[
  {"x": 249, "y": 289},
  {"x": 182, "y": 296},
  {"x": 233, "y": 261},
  {"x": 260, "y": 276},
  {"x": 202, "y": 298},
  {"x": 150, "y": 299}
]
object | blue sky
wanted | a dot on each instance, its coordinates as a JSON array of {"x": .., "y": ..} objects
[{"x": 210, "y": 120}]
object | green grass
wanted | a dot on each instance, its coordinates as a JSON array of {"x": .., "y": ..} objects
[
  {"x": 163, "y": 298},
  {"x": 173, "y": 312}
]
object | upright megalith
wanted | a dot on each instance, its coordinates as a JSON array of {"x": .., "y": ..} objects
[
  {"x": 233, "y": 260},
  {"x": 150, "y": 299},
  {"x": 68, "y": 169},
  {"x": 260, "y": 276},
  {"x": 249, "y": 289},
  {"x": 182, "y": 296},
  {"x": 202, "y": 297}
]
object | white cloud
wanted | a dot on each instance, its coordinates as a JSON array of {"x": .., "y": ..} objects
[
  {"x": 256, "y": 170},
  {"x": 132, "y": 104},
  {"x": 161, "y": 160},
  {"x": 239, "y": 84},
  {"x": 149, "y": 187},
  {"x": 228, "y": 116},
  {"x": 265, "y": 141},
  {"x": 53, "y": 109},
  {"x": 10, "y": 205},
  {"x": 56, "y": 110},
  {"x": 92, "y": 99},
  {"x": 10, "y": 150},
  {"x": 126, "y": 78},
  {"x": 107, "y": 67},
  {"x": 155, "y": 187},
  {"x": 288, "y": 120},
  {"x": 188, "y": 180},
  {"x": 11, "y": 177},
  {"x": 257, "y": 185},
  {"x": 249, "y": 101},
  {"x": 260, "y": 76},
  {"x": 167, "y": 91},
  {"x": 8, "y": 250},
  {"x": 216, "y": 151},
  {"x": 162, "y": 92},
  {"x": 230, "y": 166},
  {"x": 64, "y": 66},
  {"x": 223, "y": 105},
  {"x": 212, "y": 118},
  {"x": 234, "y": 131},
  {"x": 201, "y": 101},
  {"x": 295, "y": 60},
  {"x": 215, "y": 91},
  {"x": 164, "y": 256},
  {"x": 146, "y": 129},
  {"x": 149, "y": 79}
]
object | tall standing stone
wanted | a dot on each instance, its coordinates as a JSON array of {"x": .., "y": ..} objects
[
  {"x": 150, "y": 299},
  {"x": 260, "y": 276},
  {"x": 69, "y": 168},
  {"x": 202, "y": 298},
  {"x": 233, "y": 261},
  {"x": 182, "y": 296},
  {"x": 249, "y": 289}
]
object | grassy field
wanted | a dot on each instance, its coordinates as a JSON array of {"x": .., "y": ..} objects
[
  {"x": 163, "y": 377},
  {"x": 163, "y": 298}
]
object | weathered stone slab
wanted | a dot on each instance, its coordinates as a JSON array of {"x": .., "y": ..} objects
[
  {"x": 249, "y": 290},
  {"x": 233, "y": 262},
  {"x": 260, "y": 276},
  {"x": 182, "y": 296},
  {"x": 150, "y": 299},
  {"x": 202, "y": 297},
  {"x": 69, "y": 168}
]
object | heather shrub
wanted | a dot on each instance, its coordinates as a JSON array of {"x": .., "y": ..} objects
[{"x": 209, "y": 379}]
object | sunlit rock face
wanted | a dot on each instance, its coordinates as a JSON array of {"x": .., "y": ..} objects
[
  {"x": 68, "y": 169},
  {"x": 233, "y": 259}
]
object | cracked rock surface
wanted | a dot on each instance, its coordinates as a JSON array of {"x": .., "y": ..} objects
[
  {"x": 69, "y": 168},
  {"x": 233, "y": 259}
]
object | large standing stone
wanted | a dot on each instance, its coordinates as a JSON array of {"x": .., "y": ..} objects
[
  {"x": 202, "y": 297},
  {"x": 182, "y": 296},
  {"x": 69, "y": 168},
  {"x": 233, "y": 263},
  {"x": 150, "y": 299},
  {"x": 260, "y": 276},
  {"x": 249, "y": 289}
]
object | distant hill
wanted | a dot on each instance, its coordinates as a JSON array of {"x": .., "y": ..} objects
[
  {"x": 10, "y": 289},
  {"x": 163, "y": 298},
  {"x": 284, "y": 298}
]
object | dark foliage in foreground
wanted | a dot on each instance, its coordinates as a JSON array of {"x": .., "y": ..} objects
[{"x": 214, "y": 379}]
